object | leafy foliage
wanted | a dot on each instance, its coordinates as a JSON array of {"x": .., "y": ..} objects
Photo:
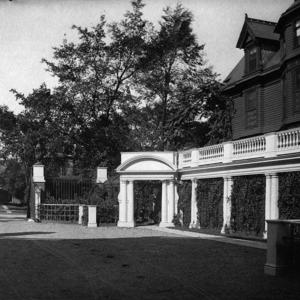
[
  {"x": 175, "y": 83},
  {"x": 147, "y": 196},
  {"x": 122, "y": 86},
  {"x": 184, "y": 203},
  {"x": 247, "y": 204},
  {"x": 210, "y": 202},
  {"x": 289, "y": 195}
]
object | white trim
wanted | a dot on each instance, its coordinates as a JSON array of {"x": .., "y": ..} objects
[{"x": 242, "y": 172}]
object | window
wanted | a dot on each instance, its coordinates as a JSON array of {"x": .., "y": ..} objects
[
  {"x": 297, "y": 89},
  {"x": 297, "y": 33},
  {"x": 251, "y": 109},
  {"x": 252, "y": 59}
]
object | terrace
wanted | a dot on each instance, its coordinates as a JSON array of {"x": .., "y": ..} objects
[{"x": 269, "y": 145}]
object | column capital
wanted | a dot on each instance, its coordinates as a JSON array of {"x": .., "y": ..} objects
[
  {"x": 271, "y": 174},
  {"x": 227, "y": 177},
  {"x": 194, "y": 180}
]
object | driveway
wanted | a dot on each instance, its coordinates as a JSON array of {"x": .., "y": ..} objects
[{"x": 60, "y": 261}]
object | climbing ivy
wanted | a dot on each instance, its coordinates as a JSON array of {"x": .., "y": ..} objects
[
  {"x": 289, "y": 195},
  {"x": 147, "y": 201},
  {"x": 248, "y": 204},
  {"x": 210, "y": 203},
  {"x": 184, "y": 190}
]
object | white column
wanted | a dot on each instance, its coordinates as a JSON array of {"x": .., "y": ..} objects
[
  {"x": 92, "y": 216},
  {"x": 80, "y": 213},
  {"x": 227, "y": 203},
  {"x": 130, "y": 204},
  {"x": 274, "y": 197},
  {"x": 171, "y": 203},
  {"x": 164, "y": 205},
  {"x": 122, "y": 197},
  {"x": 267, "y": 202},
  {"x": 194, "y": 209}
]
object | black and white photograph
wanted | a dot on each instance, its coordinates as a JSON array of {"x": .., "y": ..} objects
[{"x": 149, "y": 149}]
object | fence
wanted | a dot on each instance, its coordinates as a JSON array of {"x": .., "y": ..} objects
[
  {"x": 64, "y": 213},
  {"x": 67, "y": 190}
]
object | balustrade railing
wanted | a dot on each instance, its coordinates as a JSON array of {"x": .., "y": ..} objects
[
  {"x": 255, "y": 145},
  {"x": 187, "y": 157},
  {"x": 289, "y": 139},
  {"x": 215, "y": 151},
  {"x": 268, "y": 145}
]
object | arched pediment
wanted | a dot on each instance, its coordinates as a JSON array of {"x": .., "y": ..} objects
[{"x": 146, "y": 163}]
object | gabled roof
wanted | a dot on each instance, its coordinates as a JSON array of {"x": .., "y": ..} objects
[
  {"x": 257, "y": 29},
  {"x": 294, "y": 9},
  {"x": 237, "y": 73}
]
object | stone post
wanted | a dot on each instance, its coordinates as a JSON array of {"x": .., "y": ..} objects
[
  {"x": 228, "y": 152},
  {"x": 80, "y": 213},
  {"x": 271, "y": 144},
  {"x": 278, "y": 247},
  {"x": 101, "y": 174},
  {"x": 194, "y": 209},
  {"x": 122, "y": 197},
  {"x": 227, "y": 203},
  {"x": 130, "y": 204},
  {"x": 38, "y": 180},
  {"x": 92, "y": 216}
]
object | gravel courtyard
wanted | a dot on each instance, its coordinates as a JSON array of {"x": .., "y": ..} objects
[{"x": 54, "y": 261}]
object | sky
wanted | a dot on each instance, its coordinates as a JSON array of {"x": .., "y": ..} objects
[{"x": 29, "y": 29}]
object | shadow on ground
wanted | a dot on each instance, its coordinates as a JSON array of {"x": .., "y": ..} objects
[
  {"x": 137, "y": 268},
  {"x": 16, "y": 234}
]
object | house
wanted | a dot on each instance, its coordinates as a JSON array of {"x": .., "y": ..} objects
[{"x": 239, "y": 184}]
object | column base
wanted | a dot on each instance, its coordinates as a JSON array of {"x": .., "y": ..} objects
[
  {"x": 194, "y": 225},
  {"x": 166, "y": 224},
  {"x": 126, "y": 224},
  {"x": 274, "y": 270},
  {"x": 92, "y": 225},
  {"x": 225, "y": 229}
]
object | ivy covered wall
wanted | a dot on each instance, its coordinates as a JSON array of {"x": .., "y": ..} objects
[
  {"x": 147, "y": 201},
  {"x": 248, "y": 204},
  {"x": 289, "y": 195},
  {"x": 184, "y": 191},
  {"x": 210, "y": 203}
]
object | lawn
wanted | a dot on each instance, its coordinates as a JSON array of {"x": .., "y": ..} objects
[{"x": 144, "y": 266}]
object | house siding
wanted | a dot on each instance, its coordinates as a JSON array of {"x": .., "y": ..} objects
[
  {"x": 239, "y": 126},
  {"x": 272, "y": 106}
]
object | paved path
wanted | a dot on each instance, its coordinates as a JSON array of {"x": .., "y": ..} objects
[
  {"x": 216, "y": 238},
  {"x": 14, "y": 224},
  {"x": 41, "y": 261}
]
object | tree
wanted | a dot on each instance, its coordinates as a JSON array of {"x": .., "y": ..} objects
[
  {"x": 175, "y": 81},
  {"x": 94, "y": 83}
]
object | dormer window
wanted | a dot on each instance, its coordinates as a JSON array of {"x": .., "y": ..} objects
[
  {"x": 297, "y": 33},
  {"x": 252, "y": 61}
]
